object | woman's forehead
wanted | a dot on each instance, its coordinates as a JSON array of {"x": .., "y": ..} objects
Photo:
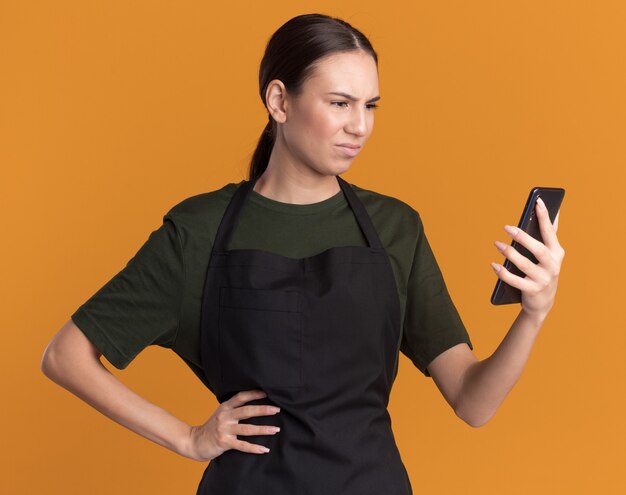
[{"x": 354, "y": 73}]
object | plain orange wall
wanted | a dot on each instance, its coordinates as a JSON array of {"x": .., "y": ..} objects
[{"x": 112, "y": 112}]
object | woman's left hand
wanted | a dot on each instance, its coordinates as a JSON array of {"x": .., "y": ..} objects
[{"x": 539, "y": 286}]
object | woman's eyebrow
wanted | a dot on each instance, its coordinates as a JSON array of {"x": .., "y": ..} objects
[{"x": 353, "y": 98}]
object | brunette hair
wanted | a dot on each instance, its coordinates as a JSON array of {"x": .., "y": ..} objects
[{"x": 290, "y": 56}]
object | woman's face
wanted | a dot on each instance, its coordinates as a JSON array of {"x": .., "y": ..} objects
[{"x": 327, "y": 125}]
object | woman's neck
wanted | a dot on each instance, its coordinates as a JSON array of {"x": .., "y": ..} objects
[{"x": 289, "y": 185}]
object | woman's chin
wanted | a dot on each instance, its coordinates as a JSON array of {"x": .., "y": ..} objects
[{"x": 341, "y": 166}]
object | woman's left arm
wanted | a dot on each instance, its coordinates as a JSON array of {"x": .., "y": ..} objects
[{"x": 475, "y": 389}]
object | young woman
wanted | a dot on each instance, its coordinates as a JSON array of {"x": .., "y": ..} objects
[{"x": 290, "y": 295}]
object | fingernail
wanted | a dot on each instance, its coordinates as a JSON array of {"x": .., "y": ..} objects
[
  {"x": 495, "y": 267},
  {"x": 510, "y": 230},
  {"x": 276, "y": 409},
  {"x": 265, "y": 449},
  {"x": 541, "y": 204},
  {"x": 500, "y": 245}
]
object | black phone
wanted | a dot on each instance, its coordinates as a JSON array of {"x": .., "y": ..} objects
[{"x": 503, "y": 293}]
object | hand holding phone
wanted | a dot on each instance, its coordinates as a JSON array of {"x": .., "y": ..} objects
[{"x": 503, "y": 293}]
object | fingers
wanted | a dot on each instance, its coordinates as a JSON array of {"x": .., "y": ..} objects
[
  {"x": 548, "y": 232},
  {"x": 250, "y": 429},
  {"x": 245, "y": 412},
  {"x": 545, "y": 251},
  {"x": 252, "y": 448},
  {"x": 227, "y": 437},
  {"x": 536, "y": 274},
  {"x": 236, "y": 409},
  {"x": 519, "y": 260},
  {"x": 538, "y": 249},
  {"x": 549, "y": 262},
  {"x": 539, "y": 283},
  {"x": 523, "y": 284},
  {"x": 556, "y": 221},
  {"x": 243, "y": 397},
  {"x": 545, "y": 256}
]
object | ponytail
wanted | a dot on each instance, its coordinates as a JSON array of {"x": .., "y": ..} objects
[{"x": 263, "y": 150}]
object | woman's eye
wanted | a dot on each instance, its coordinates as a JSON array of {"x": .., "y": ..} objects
[{"x": 371, "y": 106}]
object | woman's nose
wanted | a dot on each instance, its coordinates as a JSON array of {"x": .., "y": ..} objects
[{"x": 358, "y": 123}]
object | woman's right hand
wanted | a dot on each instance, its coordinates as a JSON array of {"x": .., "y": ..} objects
[{"x": 219, "y": 432}]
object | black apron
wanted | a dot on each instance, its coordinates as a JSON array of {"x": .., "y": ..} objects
[{"x": 320, "y": 336}]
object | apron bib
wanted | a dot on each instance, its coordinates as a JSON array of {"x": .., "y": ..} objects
[{"x": 319, "y": 335}]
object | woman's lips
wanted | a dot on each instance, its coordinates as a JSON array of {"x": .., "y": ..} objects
[{"x": 350, "y": 150}]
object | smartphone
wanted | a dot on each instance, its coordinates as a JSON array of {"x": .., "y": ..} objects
[{"x": 503, "y": 293}]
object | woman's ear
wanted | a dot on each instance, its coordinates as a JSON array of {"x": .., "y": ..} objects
[{"x": 276, "y": 100}]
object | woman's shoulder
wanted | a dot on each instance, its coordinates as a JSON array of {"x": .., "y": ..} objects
[
  {"x": 202, "y": 208},
  {"x": 384, "y": 208}
]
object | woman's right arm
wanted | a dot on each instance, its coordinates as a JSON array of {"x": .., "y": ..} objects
[{"x": 73, "y": 362}]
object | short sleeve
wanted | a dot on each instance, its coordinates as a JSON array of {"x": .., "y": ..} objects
[
  {"x": 140, "y": 305},
  {"x": 432, "y": 323}
]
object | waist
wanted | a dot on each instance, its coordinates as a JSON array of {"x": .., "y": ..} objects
[{"x": 306, "y": 459}]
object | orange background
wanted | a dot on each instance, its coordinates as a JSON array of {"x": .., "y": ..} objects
[{"x": 112, "y": 112}]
